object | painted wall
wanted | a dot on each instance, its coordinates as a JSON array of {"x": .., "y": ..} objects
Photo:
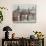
[{"x": 23, "y": 29}]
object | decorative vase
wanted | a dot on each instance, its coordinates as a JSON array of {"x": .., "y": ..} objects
[{"x": 13, "y": 36}]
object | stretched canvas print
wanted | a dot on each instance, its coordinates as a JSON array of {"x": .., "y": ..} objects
[{"x": 24, "y": 13}]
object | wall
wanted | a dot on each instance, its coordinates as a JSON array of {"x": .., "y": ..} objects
[{"x": 24, "y": 29}]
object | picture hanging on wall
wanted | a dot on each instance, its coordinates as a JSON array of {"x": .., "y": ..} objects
[{"x": 25, "y": 13}]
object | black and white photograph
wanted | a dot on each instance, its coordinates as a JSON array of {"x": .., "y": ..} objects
[{"x": 24, "y": 13}]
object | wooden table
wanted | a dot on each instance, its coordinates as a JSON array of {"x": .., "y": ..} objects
[{"x": 25, "y": 42}]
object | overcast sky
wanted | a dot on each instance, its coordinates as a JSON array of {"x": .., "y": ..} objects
[{"x": 24, "y": 6}]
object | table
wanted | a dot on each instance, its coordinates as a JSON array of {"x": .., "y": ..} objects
[{"x": 24, "y": 42}]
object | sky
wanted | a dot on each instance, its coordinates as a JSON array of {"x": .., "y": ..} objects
[{"x": 24, "y": 6}]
